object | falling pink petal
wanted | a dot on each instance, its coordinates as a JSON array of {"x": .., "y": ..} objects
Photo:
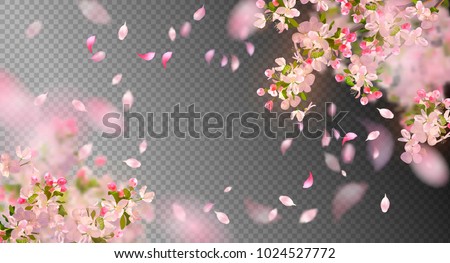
[
  {"x": 199, "y": 14},
  {"x": 433, "y": 170},
  {"x": 100, "y": 160},
  {"x": 308, "y": 216},
  {"x": 309, "y": 182},
  {"x": 147, "y": 56},
  {"x": 344, "y": 173},
  {"x": 224, "y": 61},
  {"x": 143, "y": 146},
  {"x": 385, "y": 113},
  {"x": 348, "y": 153},
  {"x": 123, "y": 31},
  {"x": 273, "y": 214},
  {"x": 332, "y": 109},
  {"x": 373, "y": 136},
  {"x": 208, "y": 207},
  {"x": 380, "y": 150},
  {"x": 326, "y": 139},
  {"x": 332, "y": 162},
  {"x": 133, "y": 163},
  {"x": 300, "y": 126},
  {"x": 285, "y": 145},
  {"x": 165, "y": 58},
  {"x": 257, "y": 212},
  {"x": 222, "y": 217},
  {"x": 375, "y": 153},
  {"x": 85, "y": 151},
  {"x": 234, "y": 63},
  {"x": 385, "y": 203},
  {"x": 250, "y": 48},
  {"x": 34, "y": 29},
  {"x": 286, "y": 200},
  {"x": 99, "y": 56},
  {"x": 179, "y": 212},
  {"x": 172, "y": 34},
  {"x": 336, "y": 134},
  {"x": 128, "y": 99},
  {"x": 98, "y": 108},
  {"x": 241, "y": 19},
  {"x": 39, "y": 100},
  {"x": 346, "y": 197},
  {"x": 116, "y": 79},
  {"x": 185, "y": 29},
  {"x": 209, "y": 55},
  {"x": 78, "y": 105},
  {"x": 94, "y": 11},
  {"x": 228, "y": 189},
  {"x": 90, "y": 43},
  {"x": 349, "y": 137}
]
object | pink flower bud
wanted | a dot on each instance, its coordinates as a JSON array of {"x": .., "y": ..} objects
[
  {"x": 416, "y": 99},
  {"x": 406, "y": 26},
  {"x": 273, "y": 87},
  {"x": 63, "y": 189},
  {"x": 260, "y": 3},
  {"x": 49, "y": 182},
  {"x": 367, "y": 90},
  {"x": 345, "y": 30},
  {"x": 432, "y": 99},
  {"x": 422, "y": 94},
  {"x": 34, "y": 179},
  {"x": 100, "y": 160},
  {"x": 269, "y": 105},
  {"x": 351, "y": 37},
  {"x": 363, "y": 44},
  {"x": 260, "y": 92},
  {"x": 335, "y": 64},
  {"x": 61, "y": 181},
  {"x": 103, "y": 211},
  {"x": 268, "y": 73},
  {"x": 339, "y": 78},
  {"x": 21, "y": 200},
  {"x": 275, "y": 2},
  {"x": 364, "y": 100},
  {"x": 378, "y": 94},
  {"x": 436, "y": 94},
  {"x": 133, "y": 182},
  {"x": 47, "y": 176},
  {"x": 121, "y": 194},
  {"x": 112, "y": 186}
]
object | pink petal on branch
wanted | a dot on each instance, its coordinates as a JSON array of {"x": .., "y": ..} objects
[
  {"x": 286, "y": 200},
  {"x": 39, "y": 100},
  {"x": 143, "y": 146},
  {"x": 373, "y": 136},
  {"x": 133, "y": 163},
  {"x": 78, "y": 105},
  {"x": 250, "y": 48},
  {"x": 34, "y": 29},
  {"x": 116, "y": 79},
  {"x": 385, "y": 113},
  {"x": 123, "y": 31},
  {"x": 90, "y": 43},
  {"x": 207, "y": 207},
  {"x": 332, "y": 162},
  {"x": 165, "y": 58},
  {"x": 285, "y": 145},
  {"x": 209, "y": 55},
  {"x": 308, "y": 216},
  {"x": 199, "y": 14},
  {"x": 147, "y": 56},
  {"x": 185, "y": 29},
  {"x": 94, "y": 11},
  {"x": 222, "y": 217},
  {"x": 349, "y": 137},
  {"x": 346, "y": 197},
  {"x": 99, "y": 56},
  {"x": 309, "y": 182},
  {"x": 385, "y": 203}
]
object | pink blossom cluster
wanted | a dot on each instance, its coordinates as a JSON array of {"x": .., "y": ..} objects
[
  {"x": 377, "y": 31},
  {"x": 428, "y": 123}
]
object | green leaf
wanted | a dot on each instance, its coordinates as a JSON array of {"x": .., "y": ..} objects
[
  {"x": 371, "y": 6},
  {"x": 293, "y": 22},
  {"x": 98, "y": 240},
  {"x": 349, "y": 80},
  {"x": 62, "y": 211},
  {"x": 317, "y": 54},
  {"x": 123, "y": 221},
  {"x": 101, "y": 223},
  {"x": 126, "y": 193},
  {"x": 93, "y": 213},
  {"x": 323, "y": 17},
  {"x": 57, "y": 193},
  {"x": 395, "y": 30},
  {"x": 303, "y": 96},
  {"x": 22, "y": 240},
  {"x": 443, "y": 120},
  {"x": 28, "y": 208},
  {"x": 115, "y": 195},
  {"x": 409, "y": 122},
  {"x": 32, "y": 198},
  {"x": 12, "y": 210},
  {"x": 347, "y": 71}
]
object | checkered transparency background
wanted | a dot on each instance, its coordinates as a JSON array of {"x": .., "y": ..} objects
[{"x": 192, "y": 172}]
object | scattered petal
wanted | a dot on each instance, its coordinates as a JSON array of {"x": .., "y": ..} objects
[
  {"x": 117, "y": 79},
  {"x": 222, "y": 217},
  {"x": 224, "y": 61},
  {"x": 143, "y": 146},
  {"x": 349, "y": 137},
  {"x": 385, "y": 203},
  {"x": 147, "y": 56},
  {"x": 348, "y": 153},
  {"x": 34, "y": 29},
  {"x": 433, "y": 170},
  {"x": 308, "y": 216},
  {"x": 286, "y": 200},
  {"x": 39, "y": 100},
  {"x": 344, "y": 173},
  {"x": 373, "y": 136},
  {"x": 208, "y": 207},
  {"x": 375, "y": 153},
  {"x": 241, "y": 19},
  {"x": 90, "y": 43},
  {"x": 100, "y": 161},
  {"x": 178, "y": 212},
  {"x": 94, "y": 12},
  {"x": 128, "y": 99},
  {"x": 228, "y": 189},
  {"x": 285, "y": 145},
  {"x": 99, "y": 56},
  {"x": 332, "y": 162},
  {"x": 123, "y": 31},
  {"x": 78, "y": 105},
  {"x": 234, "y": 63},
  {"x": 200, "y": 14},
  {"x": 336, "y": 134},
  {"x": 172, "y": 34},
  {"x": 380, "y": 150},
  {"x": 85, "y": 151},
  {"x": 347, "y": 196},
  {"x": 257, "y": 212},
  {"x": 185, "y": 29},
  {"x": 309, "y": 182},
  {"x": 385, "y": 113},
  {"x": 250, "y": 48},
  {"x": 273, "y": 214},
  {"x": 209, "y": 55},
  {"x": 326, "y": 139},
  {"x": 332, "y": 109},
  {"x": 165, "y": 58},
  {"x": 133, "y": 163}
]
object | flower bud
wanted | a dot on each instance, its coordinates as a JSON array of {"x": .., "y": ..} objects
[{"x": 133, "y": 182}]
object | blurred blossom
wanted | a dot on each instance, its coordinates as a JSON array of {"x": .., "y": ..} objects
[{"x": 241, "y": 19}]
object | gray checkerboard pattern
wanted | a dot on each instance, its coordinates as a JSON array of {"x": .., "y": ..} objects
[{"x": 195, "y": 171}]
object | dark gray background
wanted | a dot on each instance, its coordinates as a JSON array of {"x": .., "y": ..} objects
[{"x": 192, "y": 171}]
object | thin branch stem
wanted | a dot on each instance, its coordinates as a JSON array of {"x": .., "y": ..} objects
[{"x": 439, "y": 3}]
